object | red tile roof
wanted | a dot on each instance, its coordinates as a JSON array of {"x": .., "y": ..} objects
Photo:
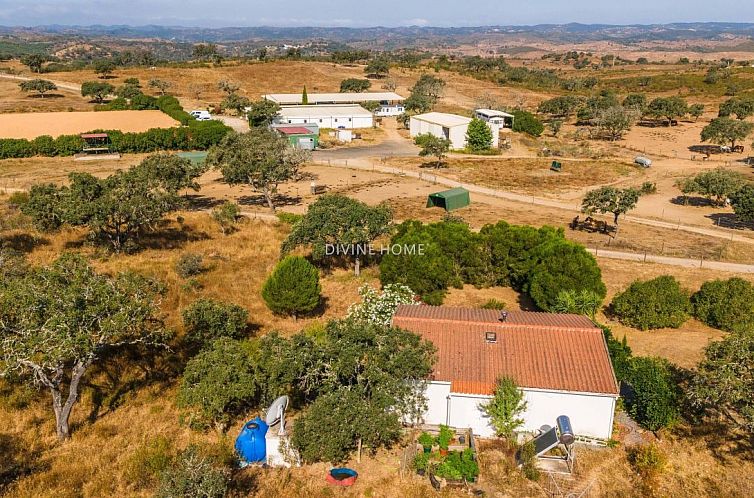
[{"x": 539, "y": 350}]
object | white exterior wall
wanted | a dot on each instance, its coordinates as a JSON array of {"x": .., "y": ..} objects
[
  {"x": 456, "y": 134},
  {"x": 590, "y": 414},
  {"x": 327, "y": 121},
  {"x": 390, "y": 110}
]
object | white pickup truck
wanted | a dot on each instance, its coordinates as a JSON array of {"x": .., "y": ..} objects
[{"x": 201, "y": 115}]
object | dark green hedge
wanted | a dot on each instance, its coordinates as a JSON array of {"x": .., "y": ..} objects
[
  {"x": 193, "y": 135},
  {"x": 199, "y": 135}
]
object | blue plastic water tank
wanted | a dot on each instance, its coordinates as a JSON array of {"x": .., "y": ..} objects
[{"x": 250, "y": 443}]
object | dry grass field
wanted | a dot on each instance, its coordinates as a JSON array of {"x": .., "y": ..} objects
[
  {"x": 12, "y": 99},
  {"x": 34, "y": 124},
  {"x": 123, "y": 408},
  {"x": 527, "y": 175}
]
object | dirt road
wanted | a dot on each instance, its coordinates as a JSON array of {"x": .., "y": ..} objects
[
  {"x": 62, "y": 85},
  {"x": 371, "y": 165}
]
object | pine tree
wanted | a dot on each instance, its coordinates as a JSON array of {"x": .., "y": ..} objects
[{"x": 293, "y": 288}]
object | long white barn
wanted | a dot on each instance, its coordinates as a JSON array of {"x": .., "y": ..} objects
[
  {"x": 391, "y": 104},
  {"x": 341, "y": 116},
  {"x": 560, "y": 363}
]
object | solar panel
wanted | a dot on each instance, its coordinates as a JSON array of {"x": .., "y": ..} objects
[{"x": 546, "y": 442}]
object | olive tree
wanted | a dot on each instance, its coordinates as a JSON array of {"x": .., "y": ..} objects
[
  {"x": 260, "y": 158},
  {"x": 337, "y": 221},
  {"x": 610, "y": 200},
  {"x": 58, "y": 320},
  {"x": 262, "y": 112},
  {"x": 38, "y": 85},
  {"x": 433, "y": 146},
  {"x": 726, "y": 130},
  {"x": 723, "y": 381},
  {"x": 34, "y": 62},
  {"x": 116, "y": 209},
  {"x": 743, "y": 203},
  {"x": 615, "y": 121},
  {"x": 97, "y": 90},
  {"x": 160, "y": 85},
  {"x": 104, "y": 68},
  {"x": 379, "y": 307},
  {"x": 716, "y": 185}
]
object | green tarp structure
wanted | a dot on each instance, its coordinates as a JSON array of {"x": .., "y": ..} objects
[{"x": 455, "y": 198}]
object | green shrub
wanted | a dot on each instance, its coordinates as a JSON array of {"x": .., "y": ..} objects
[
  {"x": 329, "y": 430},
  {"x": 494, "y": 304},
  {"x": 206, "y": 320},
  {"x": 172, "y": 107},
  {"x": 563, "y": 266},
  {"x": 654, "y": 304},
  {"x": 459, "y": 465},
  {"x": 226, "y": 215},
  {"x": 526, "y": 122},
  {"x": 289, "y": 218},
  {"x": 68, "y": 145},
  {"x": 421, "y": 461},
  {"x": 620, "y": 354},
  {"x": 445, "y": 437},
  {"x": 11, "y": 148},
  {"x": 189, "y": 264},
  {"x": 218, "y": 383},
  {"x": 725, "y": 304},
  {"x": 149, "y": 461},
  {"x": 293, "y": 287},
  {"x": 648, "y": 460},
  {"x": 193, "y": 475},
  {"x": 527, "y": 456},
  {"x": 44, "y": 145},
  {"x": 426, "y": 440},
  {"x": 654, "y": 400},
  {"x": 479, "y": 136}
]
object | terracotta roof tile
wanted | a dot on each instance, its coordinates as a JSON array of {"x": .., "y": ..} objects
[{"x": 539, "y": 350}]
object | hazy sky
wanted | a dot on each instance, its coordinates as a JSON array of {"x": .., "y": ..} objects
[{"x": 359, "y": 13}]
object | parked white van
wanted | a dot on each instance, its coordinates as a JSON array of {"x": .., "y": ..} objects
[{"x": 201, "y": 115}]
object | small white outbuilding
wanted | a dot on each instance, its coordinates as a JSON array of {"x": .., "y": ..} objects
[
  {"x": 345, "y": 116},
  {"x": 449, "y": 126},
  {"x": 560, "y": 362}
]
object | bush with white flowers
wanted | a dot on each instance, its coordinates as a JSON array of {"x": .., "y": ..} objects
[{"x": 378, "y": 307}]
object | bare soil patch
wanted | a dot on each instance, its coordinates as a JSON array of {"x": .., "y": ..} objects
[{"x": 32, "y": 125}]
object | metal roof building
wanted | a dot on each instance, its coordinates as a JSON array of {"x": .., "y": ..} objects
[
  {"x": 334, "y": 98},
  {"x": 340, "y": 116}
]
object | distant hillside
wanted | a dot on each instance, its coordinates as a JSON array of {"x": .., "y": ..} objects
[{"x": 549, "y": 32}]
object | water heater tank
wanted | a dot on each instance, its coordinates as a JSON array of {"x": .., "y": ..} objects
[
  {"x": 566, "y": 432},
  {"x": 251, "y": 444}
]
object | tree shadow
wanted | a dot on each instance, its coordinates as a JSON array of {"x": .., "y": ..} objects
[
  {"x": 279, "y": 200},
  {"x": 168, "y": 238},
  {"x": 730, "y": 220},
  {"x": 526, "y": 303},
  {"x": 691, "y": 200},
  {"x": 47, "y": 96},
  {"x": 23, "y": 242},
  {"x": 18, "y": 460},
  {"x": 433, "y": 165},
  {"x": 198, "y": 202},
  {"x": 125, "y": 371}
]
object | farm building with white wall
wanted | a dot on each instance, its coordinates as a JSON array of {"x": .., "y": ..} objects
[
  {"x": 391, "y": 104},
  {"x": 343, "y": 116},
  {"x": 560, "y": 362},
  {"x": 439, "y": 124}
]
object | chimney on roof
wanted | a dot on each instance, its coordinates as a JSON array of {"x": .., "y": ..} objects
[{"x": 503, "y": 316}]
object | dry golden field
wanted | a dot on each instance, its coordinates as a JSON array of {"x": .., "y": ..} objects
[{"x": 34, "y": 124}]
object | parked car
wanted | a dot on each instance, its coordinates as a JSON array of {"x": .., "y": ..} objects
[
  {"x": 643, "y": 161},
  {"x": 201, "y": 115}
]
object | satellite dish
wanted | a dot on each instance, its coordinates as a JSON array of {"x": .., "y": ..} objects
[{"x": 276, "y": 413}]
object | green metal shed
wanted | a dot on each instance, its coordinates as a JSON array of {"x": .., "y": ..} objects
[{"x": 449, "y": 200}]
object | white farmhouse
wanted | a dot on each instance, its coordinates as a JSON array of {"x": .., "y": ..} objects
[
  {"x": 391, "y": 104},
  {"x": 442, "y": 125},
  {"x": 559, "y": 361},
  {"x": 341, "y": 116}
]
